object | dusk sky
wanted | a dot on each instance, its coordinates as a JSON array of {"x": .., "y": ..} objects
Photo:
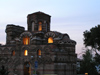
[{"x": 67, "y": 16}]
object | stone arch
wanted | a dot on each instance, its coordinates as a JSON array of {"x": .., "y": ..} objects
[
  {"x": 26, "y": 34},
  {"x": 50, "y": 34}
]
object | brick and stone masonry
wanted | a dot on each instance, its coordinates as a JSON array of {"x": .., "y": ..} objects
[{"x": 38, "y": 49}]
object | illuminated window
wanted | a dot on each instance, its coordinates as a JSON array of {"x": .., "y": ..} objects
[
  {"x": 32, "y": 26},
  {"x": 40, "y": 26},
  {"x": 39, "y": 52},
  {"x": 13, "y": 53},
  {"x": 26, "y": 53},
  {"x": 50, "y": 40},
  {"x": 26, "y": 40},
  {"x": 86, "y": 73}
]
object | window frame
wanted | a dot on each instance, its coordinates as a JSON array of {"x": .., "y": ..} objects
[
  {"x": 26, "y": 52},
  {"x": 50, "y": 38},
  {"x": 25, "y": 39},
  {"x": 39, "y": 26},
  {"x": 33, "y": 25}
]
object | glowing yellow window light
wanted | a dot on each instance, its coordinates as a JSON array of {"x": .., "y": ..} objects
[
  {"x": 50, "y": 40},
  {"x": 40, "y": 26},
  {"x": 13, "y": 53},
  {"x": 39, "y": 52},
  {"x": 26, "y": 40},
  {"x": 86, "y": 73},
  {"x": 25, "y": 52}
]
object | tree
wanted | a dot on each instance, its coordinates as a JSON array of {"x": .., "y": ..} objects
[
  {"x": 3, "y": 71},
  {"x": 88, "y": 65},
  {"x": 97, "y": 59},
  {"x": 92, "y": 38}
]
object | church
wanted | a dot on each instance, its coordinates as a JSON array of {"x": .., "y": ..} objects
[{"x": 37, "y": 50}]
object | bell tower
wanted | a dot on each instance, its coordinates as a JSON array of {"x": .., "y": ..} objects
[{"x": 38, "y": 21}]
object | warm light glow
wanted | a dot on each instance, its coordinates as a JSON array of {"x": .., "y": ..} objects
[
  {"x": 86, "y": 73},
  {"x": 50, "y": 40},
  {"x": 13, "y": 53},
  {"x": 40, "y": 26},
  {"x": 30, "y": 69},
  {"x": 26, "y": 40},
  {"x": 40, "y": 23},
  {"x": 39, "y": 52},
  {"x": 25, "y": 52}
]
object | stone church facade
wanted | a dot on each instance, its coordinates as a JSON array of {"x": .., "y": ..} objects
[{"x": 37, "y": 50}]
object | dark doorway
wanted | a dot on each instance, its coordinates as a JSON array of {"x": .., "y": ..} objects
[{"x": 27, "y": 68}]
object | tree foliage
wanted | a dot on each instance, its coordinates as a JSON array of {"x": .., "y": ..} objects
[
  {"x": 3, "y": 71},
  {"x": 88, "y": 65},
  {"x": 97, "y": 58},
  {"x": 92, "y": 37}
]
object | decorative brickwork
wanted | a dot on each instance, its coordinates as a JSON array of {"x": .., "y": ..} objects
[{"x": 55, "y": 57}]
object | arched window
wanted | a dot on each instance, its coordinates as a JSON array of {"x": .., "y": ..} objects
[
  {"x": 32, "y": 26},
  {"x": 50, "y": 40},
  {"x": 26, "y": 40},
  {"x": 40, "y": 26},
  {"x": 39, "y": 53},
  {"x": 26, "y": 53},
  {"x": 13, "y": 53}
]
